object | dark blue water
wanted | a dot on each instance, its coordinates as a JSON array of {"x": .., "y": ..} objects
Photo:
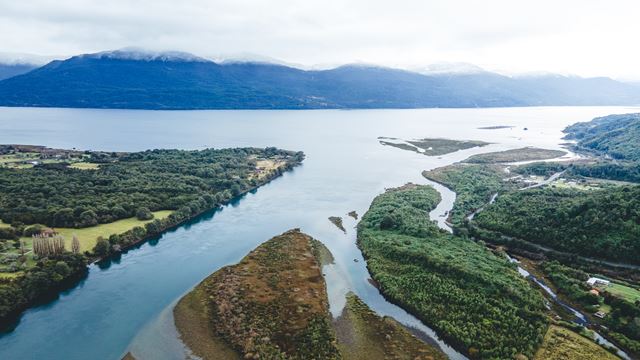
[{"x": 127, "y": 305}]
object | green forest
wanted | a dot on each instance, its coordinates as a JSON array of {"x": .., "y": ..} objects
[
  {"x": 603, "y": 223},
  {"x": 617, "y": 136},
  {"x": 59, "y": 196},
  {"x": 473, "y": 184},
  {"x": 123, "y": 185},
  {"x": 472, "y": 297}
]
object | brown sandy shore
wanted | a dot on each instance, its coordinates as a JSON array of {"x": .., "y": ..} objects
[{"x": 274, "y": 304}]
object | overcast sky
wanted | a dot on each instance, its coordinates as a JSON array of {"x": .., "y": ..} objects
[{"x": 583, "y": 37}]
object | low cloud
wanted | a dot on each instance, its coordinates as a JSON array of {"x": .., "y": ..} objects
[{"x": 586, "y": 37}]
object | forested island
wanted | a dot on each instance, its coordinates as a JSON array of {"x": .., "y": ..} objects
[
  {"x": 60, "y": 209},
  {"x": 273, "y": 305}
]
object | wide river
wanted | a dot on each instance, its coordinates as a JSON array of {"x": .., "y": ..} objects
[{"x": 126, "y": 305}]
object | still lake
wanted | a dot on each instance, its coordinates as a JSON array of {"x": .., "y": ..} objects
[{"x": 126, "y": 305}]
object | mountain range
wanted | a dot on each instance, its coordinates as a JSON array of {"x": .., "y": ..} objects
[{"x": 174, "y": 80}]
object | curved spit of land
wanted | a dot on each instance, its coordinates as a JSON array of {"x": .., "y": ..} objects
[{"x": 273, "y": 304}]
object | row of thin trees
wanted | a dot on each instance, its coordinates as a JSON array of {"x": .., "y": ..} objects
[{"x": 45, "y": 245}]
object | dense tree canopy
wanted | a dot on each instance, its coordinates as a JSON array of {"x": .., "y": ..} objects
[
  {"x": 472, "y": 297},
  {"x": 601, "y": 223},
  {"x": 615, "y": 135},
  {"x": 56, "y": 195}
]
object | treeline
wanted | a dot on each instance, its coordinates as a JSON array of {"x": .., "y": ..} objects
[
  {"x": 59, "y": 196},
  {"x": 49, "y": 276},
  {"x": 603, "y": 224},
  {"x": 471, "y": 297}
]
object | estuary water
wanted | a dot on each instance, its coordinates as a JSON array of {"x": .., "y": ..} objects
[{"x": 125, "y": 305}]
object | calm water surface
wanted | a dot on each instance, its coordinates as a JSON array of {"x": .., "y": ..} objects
[{"x": 126, "y": 305}]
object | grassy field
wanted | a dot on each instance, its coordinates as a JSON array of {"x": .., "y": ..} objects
[
  {"x": 84, "y": 166},
  {"x": 628, "y": 293},
  {"x": 561, "y": 343},
  {"x": 88, "y": 236},
  {"x": 11, "y": 158},
  {"x": 3, "y": 224},
  {"x": 22, "y": 160}
]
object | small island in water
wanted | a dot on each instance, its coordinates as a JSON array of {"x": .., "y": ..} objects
[{"x": 431, "y": 147}]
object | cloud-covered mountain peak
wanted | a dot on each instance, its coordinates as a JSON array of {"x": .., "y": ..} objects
[
  {"x": 146, "y": 55},
  {"x": 444, "y": 68}
]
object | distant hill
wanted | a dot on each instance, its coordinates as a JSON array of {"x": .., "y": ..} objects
[
  {"x": 615, "y": 135},
  {"x": 121, "y": 79},
  {"x": 11, "y": 70}
]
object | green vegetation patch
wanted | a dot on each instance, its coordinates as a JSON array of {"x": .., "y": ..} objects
[
  {"x": 617, "y": 136},
  {"x": 628, "y": 293},
  {"x": 473, "y": 298},
  {"x": 58, "y": 196},
  {"x": 603, "y": 224},
  {"x": 474, "y": 186},
  {"x": 562, "y": 343},
  {"x": 89, "y": 235},
  {"x": 515, "y": 155}
]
